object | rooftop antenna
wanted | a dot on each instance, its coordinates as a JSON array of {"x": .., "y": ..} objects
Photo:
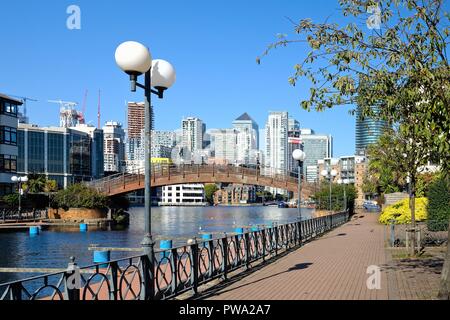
[{"x": 98, "y": 111}]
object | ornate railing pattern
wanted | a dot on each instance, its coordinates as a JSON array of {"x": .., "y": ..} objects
[
  {"x": 13, "y": 215},
  {"x": 170, "y": 272}
]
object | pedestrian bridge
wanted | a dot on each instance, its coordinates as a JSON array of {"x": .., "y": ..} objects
[{"x": 165, "y": 175}]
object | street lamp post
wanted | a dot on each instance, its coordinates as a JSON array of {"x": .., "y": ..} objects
[
  {"x": 299, "y": 156},
  {"x": 19, "y": 181},
  {"x": 135, "y": 59},
  {"x": 344, "y": 182},
  {"x": 329, "y": 175}
]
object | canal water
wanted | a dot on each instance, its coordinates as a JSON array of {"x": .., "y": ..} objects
[{"x": 54, "y": 246}]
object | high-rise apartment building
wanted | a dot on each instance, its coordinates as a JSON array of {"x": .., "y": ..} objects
[
  {"x": 8, "y": 142},
  {"x": 193, "y": 130},
  {"x": 368, "y": 131},
  {"x": 162, "y": 143},
  {"x": 225, "y": 142},
  {"x": 277, "y": 142},
  {"x": 114, "y": 147}
]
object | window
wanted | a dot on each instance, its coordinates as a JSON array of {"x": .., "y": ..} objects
[
  {"x": 8, "y": 163},
  {"x": 8, "y": 135},
  {"x": 8, "y": 108}
]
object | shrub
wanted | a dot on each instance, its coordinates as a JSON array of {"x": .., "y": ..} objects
[
  {"x": 401, "y": 213},
  {"x": 80, "y": 196},
  {"x": 438, "y": 205}
]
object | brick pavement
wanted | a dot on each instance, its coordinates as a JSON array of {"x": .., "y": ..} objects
[{"x": 331, "y": 267}]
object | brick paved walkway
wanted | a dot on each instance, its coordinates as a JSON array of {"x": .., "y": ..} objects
[{"x": 332, "y": 267}]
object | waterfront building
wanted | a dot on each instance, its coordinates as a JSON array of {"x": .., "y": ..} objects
[
  {"x": 316, "y": 147},
  {"x": 368, "y": 131},
  {"x": 235, "y": 194},
  {"x": 67, "y": 155},
  {"x": 8, "y": 142},
  {"x": 184, "y": 194},
  {"x": 114, "y": 147},
  {"x": 361, "y": 167},
  {"x": 192, "y": 134}
]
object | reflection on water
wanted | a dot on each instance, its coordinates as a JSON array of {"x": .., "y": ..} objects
[{"x": 53, "y": 247}]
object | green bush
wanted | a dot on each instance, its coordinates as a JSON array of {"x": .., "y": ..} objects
[
  {"x": 80, "y": 196},
  {"x": 439, "y": 205},
  {"x": 322, "y": 197}
]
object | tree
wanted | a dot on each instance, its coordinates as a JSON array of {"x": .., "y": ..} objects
[
  {"x": 396, "y": 70},
  {"x": 210, "y": 189},
  {"x": 80, "y": 196},
  {"x": 322, "y": 197},
  {"x": 397, "y": 64}
]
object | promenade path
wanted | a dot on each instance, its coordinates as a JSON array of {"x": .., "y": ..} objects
[{"x": 331, "y": 267}]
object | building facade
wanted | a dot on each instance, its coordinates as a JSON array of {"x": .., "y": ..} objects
[
  {"x": 235, "y": 195},
  {"x": 276, "y": 157},
  {"x": 114, "y": 147},
  {"x": 8, "y": 142},
  {"x": 184, "y": 194},
  {"x": 249, "y": 136},
  {"x": 192, "y": 135},
  {"x": 224, "y": 143},
  {"x": 162, "y": 144},
  {"x": 66, "y": 155},
  {"x": 316, "y": 147}
]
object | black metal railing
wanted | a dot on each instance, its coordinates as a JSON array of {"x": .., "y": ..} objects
[
  {"x": 8, "y": 215},
  {"x": 171, "y": 272}
]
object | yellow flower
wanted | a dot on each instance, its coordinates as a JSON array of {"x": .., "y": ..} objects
[{"x": 401, "y": 213}]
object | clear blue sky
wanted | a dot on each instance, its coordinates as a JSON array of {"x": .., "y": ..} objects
[{"x": 212, "y": 44}]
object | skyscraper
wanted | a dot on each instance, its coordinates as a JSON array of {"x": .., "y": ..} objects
[
  {"x": 162, "y": 143},
  {"x": 277, "y": 142},
  {"x": 368, "y": 131},
  {"x": 225, "y": 145},
  {"x": 248, "y": 138},
  {"x": 193, "y": 130}
]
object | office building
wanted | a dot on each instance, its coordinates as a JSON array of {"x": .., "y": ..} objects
[
  {"x": 246, "y": 125},
  {"x": 162, "y": 144},
  {"x": 114, "y": 147},
  {"x": 224, "y": 142},
  {"x": 67, "y": 155},
  {"x": 368, "y": 131},
  {"x": 316, "y": 147},
  {"x": 8, "y": 142}
]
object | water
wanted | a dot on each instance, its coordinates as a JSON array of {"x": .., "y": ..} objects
[{"x": 53, "y": 247}]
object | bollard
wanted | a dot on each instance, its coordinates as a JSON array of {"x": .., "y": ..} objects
[
  {"x": 206, "y": 237},
  {"x": 165, "y": 245},
  {"x": 255, "y": 229},
  {"x": 102, "y": 256},
  {"x": 34, "y": 231},
  {"x": 83, "y": 227},
  {"x": 239, "y": 230}
]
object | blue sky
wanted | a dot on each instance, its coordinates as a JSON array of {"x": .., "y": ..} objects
[{"x": 212, "y": 44}]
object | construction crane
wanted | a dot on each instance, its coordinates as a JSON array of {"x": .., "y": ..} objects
[
  {"x": 68, "y": 116},
  {"x": 24, "y": 101}
]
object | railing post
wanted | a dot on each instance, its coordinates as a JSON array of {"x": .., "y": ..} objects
[
  {"x": 4, "y": 215},
  {"x": 123, "y": 179},
  {"x": 16, "y": 291},
  {"x": 194, "y": 274},
  {"x": 225, "y": 257},
  {"x": 213, "y": 169},
  {"x": 198, "y": 171},
  {"x": 72, "y": 291},
  {"x": 148, "y": 284},
  {"x": 114, "y": 276},
  {"x": 168, "y": 171},
  {"x": 247, "y": 250},
  {"x": 174, "y": 262},
  {"x": 263, "y": 241},
  {"x": 276, "y": 239}
]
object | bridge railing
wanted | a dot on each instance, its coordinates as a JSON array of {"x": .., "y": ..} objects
[
  {"x": 164, "y": 170},
  {"x": 171, "y": 272},
  {"x": 13, "y": 215}
]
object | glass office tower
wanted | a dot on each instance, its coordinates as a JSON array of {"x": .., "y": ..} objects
[{"x": 368, "y": 131}]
